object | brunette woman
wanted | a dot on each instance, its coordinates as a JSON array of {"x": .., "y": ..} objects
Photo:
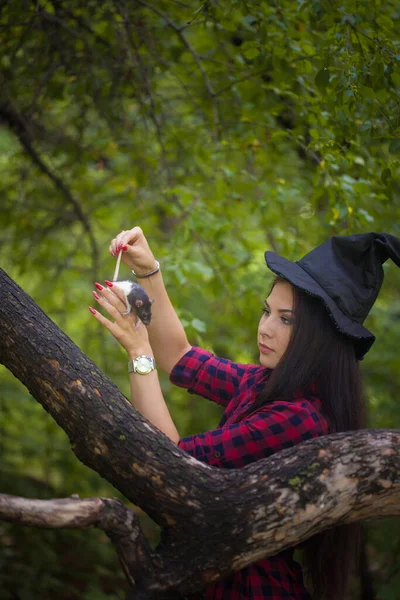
[{"x": 308, "y": 384}]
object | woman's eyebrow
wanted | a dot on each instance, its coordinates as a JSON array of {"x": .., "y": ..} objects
[{"x": 281, "y": 310}]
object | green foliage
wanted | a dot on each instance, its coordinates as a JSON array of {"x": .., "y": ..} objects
[
  {"x": 223, "y": 130},
  {"x": 64, "y": 564}
]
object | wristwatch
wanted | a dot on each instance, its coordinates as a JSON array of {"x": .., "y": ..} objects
[{"x": 142, "y": 364}]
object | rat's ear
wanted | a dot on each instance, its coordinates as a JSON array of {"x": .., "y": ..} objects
[
  {"x": 151, "y": 301},
  {"x": 138, "y": 303}
]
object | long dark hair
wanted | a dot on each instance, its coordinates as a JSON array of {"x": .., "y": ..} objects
[{"x": 319, "y": 354}]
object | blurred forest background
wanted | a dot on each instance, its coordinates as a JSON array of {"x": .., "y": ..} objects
[{"x": 223, "y": 128}]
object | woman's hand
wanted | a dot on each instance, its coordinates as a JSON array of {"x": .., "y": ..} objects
[
  {"x": 136, "y": 250},
  {"x": 128, "y": 330}
]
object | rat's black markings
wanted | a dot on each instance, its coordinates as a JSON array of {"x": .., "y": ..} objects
[{"x": 137, "y": 298}]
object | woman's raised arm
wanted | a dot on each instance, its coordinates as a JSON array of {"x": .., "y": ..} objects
[{"x": 166, "y": 333}]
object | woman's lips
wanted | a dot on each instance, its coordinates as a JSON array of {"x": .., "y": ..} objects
[{"x": 264, "y": 349}]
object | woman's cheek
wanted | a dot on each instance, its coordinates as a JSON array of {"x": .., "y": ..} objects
[{"x": 287, "y": 337}]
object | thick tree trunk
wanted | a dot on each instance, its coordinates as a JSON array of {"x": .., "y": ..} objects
[{"x": 215, "y": 521}]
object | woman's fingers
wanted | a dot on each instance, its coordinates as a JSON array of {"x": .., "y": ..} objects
[
  {"x": 115, "y": 296},
  {"x": 112, "y": 311},
  {"x": 127, "y": 329},
  {"x": 115, "y": 243},
  {"x": 124, "y": 238},
  {"x": 118, "y": 241},
  {"x": 105, "y": 322},
  {"x": 121, "y": 329},
  {"x": 129, "y": 237},
  {"x": 115, "y": 308},
  {"x": 112, "y": 286}
]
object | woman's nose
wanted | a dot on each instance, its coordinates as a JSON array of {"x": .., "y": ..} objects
[{"x": 268, "y": 327}]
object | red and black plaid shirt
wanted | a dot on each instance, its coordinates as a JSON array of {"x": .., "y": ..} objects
[{"x": 272, "y": 428}]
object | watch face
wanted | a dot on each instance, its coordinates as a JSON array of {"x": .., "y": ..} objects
[{"x": 143, "y": 365}]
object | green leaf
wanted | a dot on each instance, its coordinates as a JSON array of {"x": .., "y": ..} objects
[
  {"x": 322, "y": 78},
  {"x": 366, "y": 215},
  {"x": 386, "y": 175},
  {"x": 396, "y": 78},
  {"x": 394, "y": 147},
  {"x": 249, "y": 21},
  {"x": 250, "y": 50},
  {"x": 361, "y": 187},
  {"x": 198, "y": 325}
]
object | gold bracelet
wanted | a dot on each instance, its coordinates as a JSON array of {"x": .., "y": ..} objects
[{"x": 148, "y": 274}]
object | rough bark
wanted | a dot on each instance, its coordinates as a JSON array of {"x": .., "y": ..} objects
[
  {"x": 118, "y": 521},
  {"x": 215, "y": 521}
]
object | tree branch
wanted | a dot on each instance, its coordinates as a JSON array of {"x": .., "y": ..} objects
[
  {"x": 82, "y": 23},
  {"x": 240, "y": 515},
  {"x": 119, "y": 522},
  {"x": 179, "y": 32},
  {"x": 62, "y": 513},
  {"x": 128, "y": 40},
  {"x": 374, "y": 41},
  {"x": 18, "y": 126}
]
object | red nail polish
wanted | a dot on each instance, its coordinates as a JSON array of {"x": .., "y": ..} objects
[
  {"x": 99, "y": 287},
  {"x": 95, "y": 294},
  {"x": 108, "y": 283},
  {"x": 124, "y": 248},
  {"x": 92, "y": 310}
]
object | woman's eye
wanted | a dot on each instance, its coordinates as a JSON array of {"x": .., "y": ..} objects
[{"x": 286, "y": 321}]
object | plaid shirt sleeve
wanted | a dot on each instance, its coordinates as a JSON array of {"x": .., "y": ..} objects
[
  {"x": 204, "y": 374},
  {"x": 277, "y": 426}
]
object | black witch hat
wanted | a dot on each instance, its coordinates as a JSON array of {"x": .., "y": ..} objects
[{"x": 346, "y": 273}]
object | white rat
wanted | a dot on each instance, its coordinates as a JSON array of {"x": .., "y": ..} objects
[{"x": 137, "y": 298}]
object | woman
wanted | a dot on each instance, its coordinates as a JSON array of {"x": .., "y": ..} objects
[{"x": 308, "y": 383}]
